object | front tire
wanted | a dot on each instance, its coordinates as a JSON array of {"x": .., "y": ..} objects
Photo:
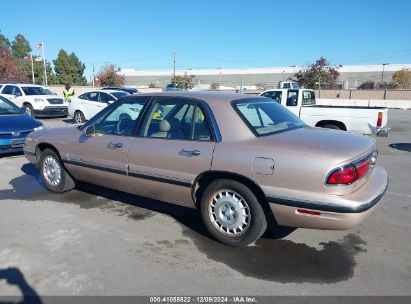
[
  {"x": 232, "y": 214},
  {"x": 28, "y": 109},
  {"x": 54, "y": 175},
  {"x": 79, "y": 117}
]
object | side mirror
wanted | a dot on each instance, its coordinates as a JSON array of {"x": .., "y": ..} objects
[
  {"x": 17, "y": 94},
  {"x": 89, "y": 130}
]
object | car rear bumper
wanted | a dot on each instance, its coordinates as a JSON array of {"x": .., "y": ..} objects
[
  {"x": 350, "y": 211},
  {"x": 52, "y": 112},
  {"x": 384, "y": 132}
]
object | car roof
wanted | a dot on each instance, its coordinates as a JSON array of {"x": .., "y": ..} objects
[
  {"x": 110, "y": 91},
  {"x": 21, "y": 84},
  {"x": 209, "y": 97}
]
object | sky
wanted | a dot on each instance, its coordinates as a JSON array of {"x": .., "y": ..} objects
[{"x": 210, "y": 34}]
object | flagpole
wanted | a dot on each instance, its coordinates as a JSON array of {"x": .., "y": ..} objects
[
  {"x": 44, "y": 64},
  {"x": 32, "y": 68}
]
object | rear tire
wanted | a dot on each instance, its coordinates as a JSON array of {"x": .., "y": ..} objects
[
  {"x": 232, "y": 213},
  {"x": 331, "y": 126},
  {"x": 28, "y": 109},
  {"x": 53, "y": 173},
  {"x": 79, "y": 117}
]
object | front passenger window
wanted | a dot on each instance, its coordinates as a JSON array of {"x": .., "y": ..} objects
[{"x": 122, "y": 119}]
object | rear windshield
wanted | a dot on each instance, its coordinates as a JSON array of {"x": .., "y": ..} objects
[
  {"x": 119, "y": 94},
  {"x": 34, "y": 91},
  {"x": 265, "y": 116}
]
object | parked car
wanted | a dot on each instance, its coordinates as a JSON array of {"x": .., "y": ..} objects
[
  {"x": 125, "y": 89},
  {"x": 36, "y": 100},
  {"x": 240, "y": 160},
  {"x": 14, "y": 127},
  {"x": 89, "y": 104},
  {"x": 302, "y": 102}
]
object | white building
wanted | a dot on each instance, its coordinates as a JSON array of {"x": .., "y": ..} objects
[{"x": 350, "y": 76}]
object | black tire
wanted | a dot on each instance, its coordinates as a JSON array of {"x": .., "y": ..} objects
[
  {"x": 331, "y": 126},
  {"x": 65, "y": 182},
  {"x": 79, "y": 117},
  {"x": 257, "y": 222},
  {"x": 28, "y": 109}
]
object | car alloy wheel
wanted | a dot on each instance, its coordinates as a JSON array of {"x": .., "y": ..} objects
[
  {"x": 52, "y": 170},
  {"x": 78, "y": 117},
  {"x": 28, "y": 110},
  {"x": 229, "y": 212}
]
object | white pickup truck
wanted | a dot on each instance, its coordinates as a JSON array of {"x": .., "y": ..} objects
[
  {"x": 364, "y": 120},
  {"x": 36, "y": 100}
]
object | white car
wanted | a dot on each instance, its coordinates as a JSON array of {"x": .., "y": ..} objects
[
  {"x": 36, "y": 100},
  {"x": 89, "y": 104}
]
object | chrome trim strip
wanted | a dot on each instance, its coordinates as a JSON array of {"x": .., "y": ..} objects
[{"x": 183, "y": 183}]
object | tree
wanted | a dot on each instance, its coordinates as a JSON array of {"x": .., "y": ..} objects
[
  {"x": 367, "y": 85},
  {"x": 318, "y": 74},
  {"x": 215, "y": 86},
  {"x": 108, "y": 76},
  {"x": 403, "y": 78},
  {"x": 20, "y": 46},
  {"x": 4, "y": 41},
  {"x": 69, "y": 69},
  {"x": 9, "y": 69},
  {"x": 183, "y": 82}
]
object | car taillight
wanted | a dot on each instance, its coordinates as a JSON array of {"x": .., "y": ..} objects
[
  {"x": 379, "y": 120},
  {"x": 343, "y": 176},
  {"x": 362, "y": 168},
  {"x": 352, "y": 172}
]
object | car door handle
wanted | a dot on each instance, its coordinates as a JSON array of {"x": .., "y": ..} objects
[
  {"x": 191, "y": 152},
  {"x": 114, "y": 145}
]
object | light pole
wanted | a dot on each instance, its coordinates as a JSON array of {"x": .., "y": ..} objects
[{"x": 382, "y": 74}]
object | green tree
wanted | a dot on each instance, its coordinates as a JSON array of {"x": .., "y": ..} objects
[
  {"x": 4, "y": 41},
  {"x": 183, "y": 82},
  {"x": 69, "y": 68},
  {"x": 20, "y": 46},
  {"x": 403, "y": 78},
  {"x": 109, "y": 77},
  {"x": 318, "y": 74}
]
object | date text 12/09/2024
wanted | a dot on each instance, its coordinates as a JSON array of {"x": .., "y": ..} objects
[{"x": 203, "y": 299}]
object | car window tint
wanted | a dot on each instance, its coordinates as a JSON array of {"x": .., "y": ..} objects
[
  {"x": 105, "y": 98},
  {"x": 292, "y": 98},
  {"x": 266, "y": 117},
  {"x": 122, "y": 119},
  {"x": 84, "y": 96},
  {"x": 201, "y": 127},
  {"x": 276, "y": 95},
  {"x": 8, "y": 89},
  {"x": 176, "y": 124},
  {"x": 93, "y": 96},
  {"x": 308, "y": 97}
]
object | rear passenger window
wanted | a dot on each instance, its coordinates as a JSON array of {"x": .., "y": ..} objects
[
  {"x": 173, "y": 118},
  {"x": 292, "y": 98}
]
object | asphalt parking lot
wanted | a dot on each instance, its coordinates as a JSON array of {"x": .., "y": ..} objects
[{"x": 93, "y": 241}]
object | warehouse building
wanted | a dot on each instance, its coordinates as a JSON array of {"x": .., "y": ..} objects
[{"x": 350, "y": 76}]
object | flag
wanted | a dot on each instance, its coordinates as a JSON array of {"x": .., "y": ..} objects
[
  {"x": 39, "y": 58},
  {"x": 28, "y": 57},
  {"x": 39, "y": 45}
]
